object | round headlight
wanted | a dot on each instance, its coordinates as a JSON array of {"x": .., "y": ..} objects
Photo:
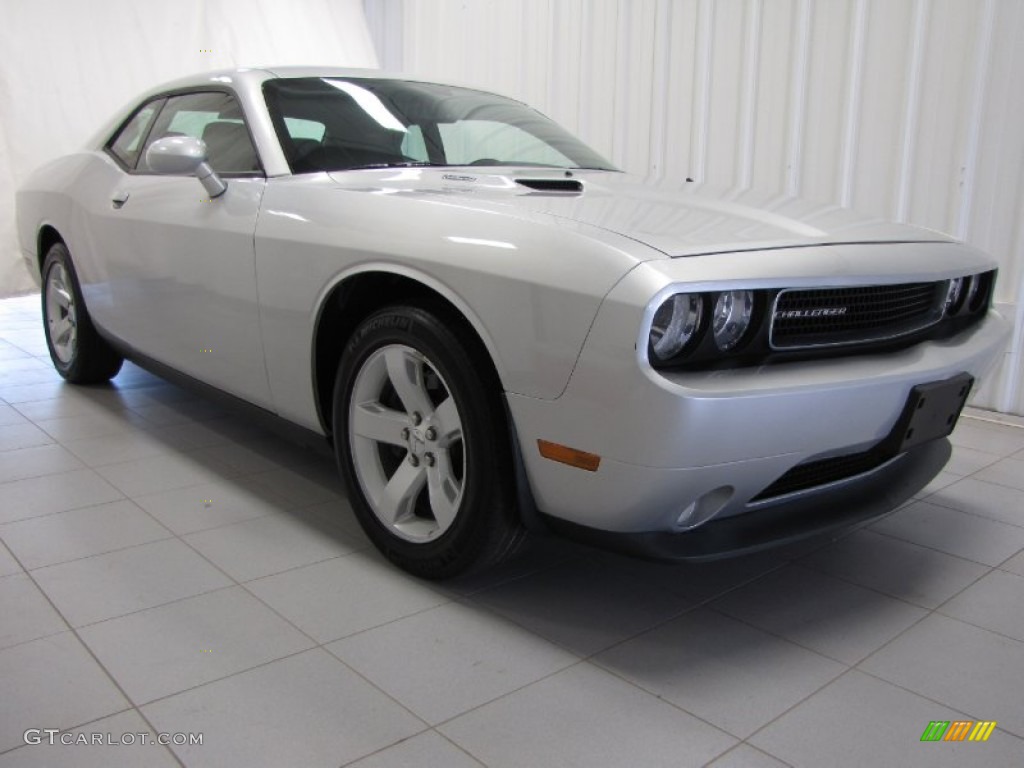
[
  {"x": 953, "y": 294},
  {"x": 732, "y": 315},
  {"x": 972, "y": 299},
  {"x": 675, "y": 324}
]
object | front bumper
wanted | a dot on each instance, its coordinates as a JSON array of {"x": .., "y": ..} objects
[
  {"x": 831, "y": 509},
  {"x": 689, "y": 452}
]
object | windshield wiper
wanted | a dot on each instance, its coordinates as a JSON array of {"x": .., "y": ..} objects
[{"x": 401, "y": 164}]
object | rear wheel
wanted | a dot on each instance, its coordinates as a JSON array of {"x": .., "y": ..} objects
[
  {"x": 78, "y": 352},
  {"x": 422, "y": 444}
]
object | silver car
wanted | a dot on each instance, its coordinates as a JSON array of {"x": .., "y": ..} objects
[{"x": 497, "y": 330}]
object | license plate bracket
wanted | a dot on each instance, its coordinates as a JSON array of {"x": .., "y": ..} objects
[{"x": 931, "y": 412}]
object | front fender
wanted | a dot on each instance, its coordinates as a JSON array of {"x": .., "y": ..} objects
[{"x": 530, "y": 285}]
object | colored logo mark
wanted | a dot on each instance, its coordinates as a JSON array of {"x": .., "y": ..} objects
[{"x": 958, "y": 730}]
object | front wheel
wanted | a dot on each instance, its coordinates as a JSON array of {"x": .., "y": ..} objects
[
  {"x": 422, "y": 443},
  {"x": 77, "y": 350}
]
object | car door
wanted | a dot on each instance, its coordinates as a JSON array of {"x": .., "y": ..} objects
[{"x": 179, "y": 266}]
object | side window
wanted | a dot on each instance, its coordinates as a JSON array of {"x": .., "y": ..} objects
[
  {"x": 128, "y": 141},
  {"x": 217, "y": 119}
]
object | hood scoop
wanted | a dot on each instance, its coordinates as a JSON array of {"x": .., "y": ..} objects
[{"x": 552, "y": 185}]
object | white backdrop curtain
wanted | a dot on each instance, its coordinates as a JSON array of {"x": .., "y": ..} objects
[{"x": 67, "y": 65}]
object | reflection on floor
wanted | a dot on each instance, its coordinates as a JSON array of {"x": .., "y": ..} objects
[{"x": 167, "y": 568}]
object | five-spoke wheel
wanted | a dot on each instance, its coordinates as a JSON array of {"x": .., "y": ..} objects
[
  {"x": 77, "y": 350},
  {"x": 407, "y": 445},
  {"x": 423, "y": 444},
  {"x": 61, "y": 318}
]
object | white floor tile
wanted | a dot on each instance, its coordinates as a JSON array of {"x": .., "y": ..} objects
[
  {"x": 425, "y": 750},
  {"x": 860, "y": 721},
  {"x": 98, "y": 423},
  {"x": 997, "y": 502},
  {"x": 14, "y": 436},
  {"x": 962, "y": 534},
  {"x": 940, "y": 481},
  {"x": 1008, "y": 472},
  {"x": 917, "y": 574},
  {"x": 168, "y": 649},
  {"x": 27, "y": 614},
  {"x": 9, "y": 416},
  {"x": 469, "y": 658},
  {"x": 337, "y": 598},
  {"x": 833, "y": 617},
  {"x": 210, "y": 505},
  {"x": 52, "y": 682},
  {"x": 972, "y": 670},
  {"x": 117, "y": 448},
  {"x": 21, "y": 499},
  {"x": 584, "y": 716},
  {"x": 584, "y": 607},
  {"x": 36, "y": 462},
  {"x": 261, "y": 455},
  {"x": 1014, "y": 564},
  {"x": 134, "y": 744},
  {"x": 746, "y": 756},
  {"x": 995, "y": 602},
  {"x": 700, "y": 581},
  {"x": 27, "y": 393},
  {"x": 722, "y": 670},
  {"x": 537, "y": 553},
  {"x": 305, "y": 486},
  {"x": 153, "y": 474},
  {"x": 8, "y": 565},
  {"x": 65, "y": 536},
  {"x": 308, "y": 710},
  {"x": 988, "y": 437},
  {"x": 71, "y": 401},
  {"x": 272, "y": 543},
  {"x": 104, "y": 586}
]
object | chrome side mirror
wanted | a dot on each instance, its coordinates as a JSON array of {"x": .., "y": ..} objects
[{"x": 185, "y": 155}]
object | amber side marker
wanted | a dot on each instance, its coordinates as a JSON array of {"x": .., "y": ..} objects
[{"x": 570, "y": 456}]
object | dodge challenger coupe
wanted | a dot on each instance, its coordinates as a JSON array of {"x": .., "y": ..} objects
[{"x": 498, "y": 331}]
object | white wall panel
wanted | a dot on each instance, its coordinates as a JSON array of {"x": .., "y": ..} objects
[{"x": 67, "y": 65}]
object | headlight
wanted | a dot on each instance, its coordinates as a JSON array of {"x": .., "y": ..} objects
[
  {"x": 731, "y": 319},
  {"x": 953, "y": 294},
  {"x": 675, "y": 324},
  {"x": 974, "y": 294}
]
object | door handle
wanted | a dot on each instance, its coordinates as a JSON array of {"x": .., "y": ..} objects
[{"x": 120, "y": 198}]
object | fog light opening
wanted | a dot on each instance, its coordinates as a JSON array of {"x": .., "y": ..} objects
[{"x": 705, "y": 507}]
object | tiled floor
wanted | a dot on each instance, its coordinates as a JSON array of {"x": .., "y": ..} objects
[{"x": 168, "y": 568}]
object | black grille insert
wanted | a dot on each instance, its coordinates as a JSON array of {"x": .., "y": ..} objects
[
  {"x": 835, "y": 316},
  {"x": 824, "y": 471}
]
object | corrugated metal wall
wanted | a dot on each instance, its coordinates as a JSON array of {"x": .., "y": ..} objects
[{"x": 910, "y": 109}]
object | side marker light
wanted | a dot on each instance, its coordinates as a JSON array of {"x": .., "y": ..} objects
[{"x": 570, "y": 456}]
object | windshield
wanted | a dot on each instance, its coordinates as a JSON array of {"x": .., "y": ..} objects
[{"x": 334, "y": 124}]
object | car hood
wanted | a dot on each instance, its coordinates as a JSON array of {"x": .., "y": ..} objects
[{"x": 678, "y": 220}]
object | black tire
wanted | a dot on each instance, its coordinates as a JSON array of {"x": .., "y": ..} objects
[
  {"x": 78, "y": 352},
  {"x": 446, "y": 365}
]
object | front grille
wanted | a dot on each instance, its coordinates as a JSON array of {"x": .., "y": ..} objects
[
  {"x": 836, "y": 316},
  {"x": 822, "y": 472}
]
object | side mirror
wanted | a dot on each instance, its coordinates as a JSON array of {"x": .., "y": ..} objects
[{"x": 185, "y": 156}]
